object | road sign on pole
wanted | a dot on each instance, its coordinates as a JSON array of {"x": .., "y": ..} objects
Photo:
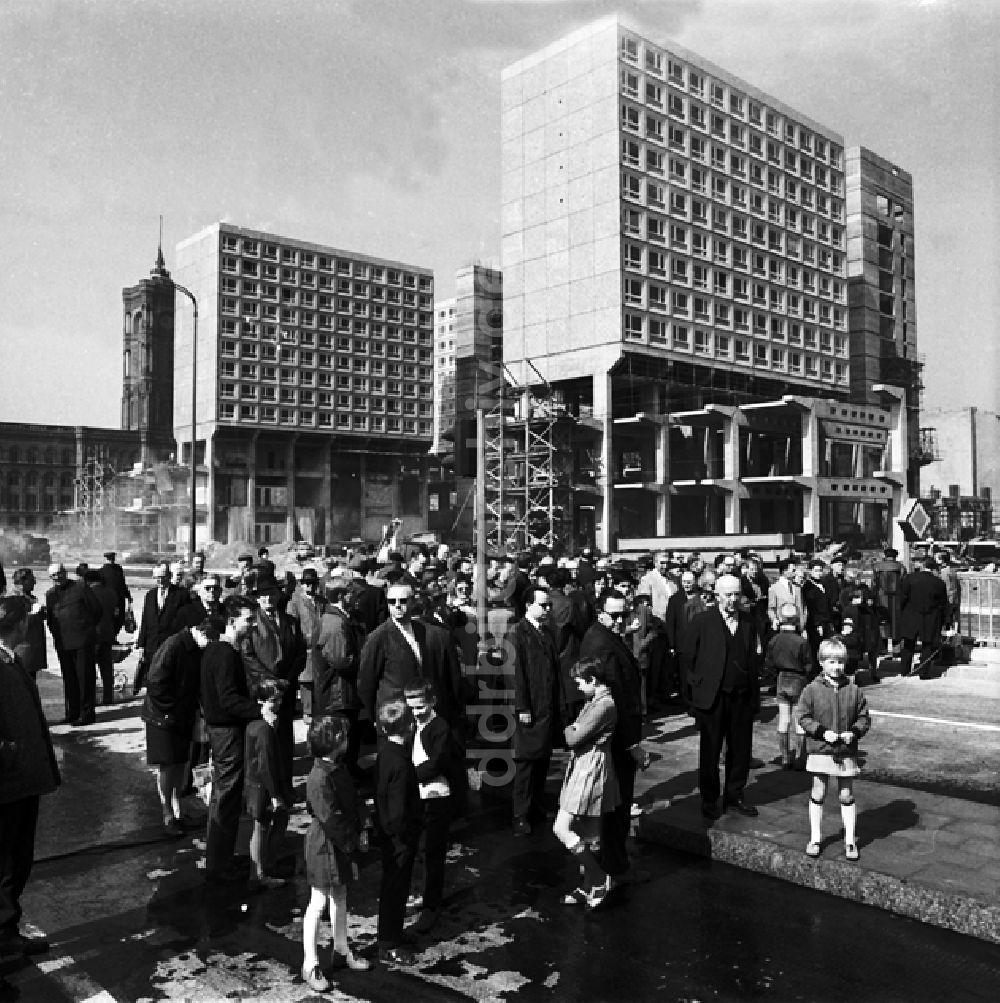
[{"x": 915, "y": 523}]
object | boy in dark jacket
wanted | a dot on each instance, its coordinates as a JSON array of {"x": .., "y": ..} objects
[
  {"x": 397, "y": 803},
  {"x": 789, "y": 661}
]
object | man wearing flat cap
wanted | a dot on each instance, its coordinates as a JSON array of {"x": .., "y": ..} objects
[
  {"x": 273, "y": 648},
  {"x": 72, "y": 613},
  {"x": 113, "y": 576}
]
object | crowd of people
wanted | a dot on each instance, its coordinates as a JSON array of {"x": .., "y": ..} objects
[{"x": 387, "y": 655}]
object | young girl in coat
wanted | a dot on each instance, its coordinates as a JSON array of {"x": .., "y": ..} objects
[
  {"x": 833, "y": 712},
  {"x": 590, "y": 787},
  {"x": 331, "y": 843}
]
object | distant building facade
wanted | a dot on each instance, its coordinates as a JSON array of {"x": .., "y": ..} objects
[
  {"x": 881, "y": 269},
  {"x": 444, "y": 370},
  {"x": 315, "y": 382}
]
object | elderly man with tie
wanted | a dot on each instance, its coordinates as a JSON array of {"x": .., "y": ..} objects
[
  {"x": 159, "y": 619},
  {"x": 720, "y": 653},
  {"x": 787, "y": 589}
]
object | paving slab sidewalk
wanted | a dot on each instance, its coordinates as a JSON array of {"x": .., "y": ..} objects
[{"x": 929, "y": 856}]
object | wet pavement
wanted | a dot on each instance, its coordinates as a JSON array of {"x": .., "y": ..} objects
[
  {"x": 930, "y": 842},
  {"x": 130, "y": 918}
]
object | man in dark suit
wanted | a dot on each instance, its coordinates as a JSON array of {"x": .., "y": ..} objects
[
  {"x": 368, "y": 602},
  {"x": 73, "y": 613},
  {"x": 721, "y": 655},
  {"x": 159, "y": 620},
  {"x": 821, "y": 597},
  {"x": 604, "y": 641},
  {"x": 113, "y": 576},
  {"x": 923, "y": 607},
  {"x": 393, "y": 653},
  {"x": 536, "y": 704},
  {"x": 567, "y": 623}
]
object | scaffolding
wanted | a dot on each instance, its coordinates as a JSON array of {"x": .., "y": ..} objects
[
  {"x": 94, "y": 485},
  {"x": 528, "y": 467}
]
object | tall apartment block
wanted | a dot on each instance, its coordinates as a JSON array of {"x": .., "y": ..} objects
[
  {"x": 444, "y": 370},
  {"x": 882, "y": 291},
  {"x": 675, "y": 265},
  {"x": 314, "y": 401}
]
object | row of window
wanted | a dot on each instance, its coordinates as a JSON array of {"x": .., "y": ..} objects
[
  {"x": 783, "y": 228},
  {"x": 15, "y": 501},
  {"x": 325, "y": 399},
  {"x": 656, "y": 230},
  {"x": 31, "y": 479},
  {"x": 341, "y": 339},
  {"x": 307, "y": 359},
  {"x": 742, "y": 320},
  {"x": 15, "y": 454},
  {"x": 250, "y": 309},
  {"x": 654, "y": 262},
  {"x": 360, "y": 368},
  {"x": 692, "y": 241},
  {"x": 716, "y": 182},
  {"x": 682, "y": 338},
  {"x": 662, "y": 65},
  {"x": 797, "y": 243},
  {"x": 269, "y": 415},
  {"x": 665, "y": 133},
  {"x": 300, "y": 258},
  {"x": 677, "y": 302},
  {"x": 237, "y": 281}
]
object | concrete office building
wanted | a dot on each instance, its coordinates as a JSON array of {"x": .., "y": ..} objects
[
  {"x": 444, "y": 370},
  {"x": 674, "y": 240},
  {"x": 881, "y": 270},
  {"x": 469, "y": 351},
  {"x": 314, "y": 387}
]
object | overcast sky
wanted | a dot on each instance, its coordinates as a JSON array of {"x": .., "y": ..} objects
[{"x": 374, "y": 126}]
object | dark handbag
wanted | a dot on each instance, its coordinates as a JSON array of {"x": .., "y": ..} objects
[{"x": 129, "y": 622}]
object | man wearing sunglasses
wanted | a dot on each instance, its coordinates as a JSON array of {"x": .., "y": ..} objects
[
  {"x": 605, "y": 641},
  {"x": 394, "y": 653}
]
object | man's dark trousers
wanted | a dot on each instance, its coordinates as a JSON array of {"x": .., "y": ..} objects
[
  {"x": 528, "y": 790},
  {"x": 18, "y": 820},
  {"x": 79, "y": 672},
  {"x": 728, "y": 721},
  {"x": 227, "y": 796},
  {"x": 615, "y": 825},
  {"x": 394, "y": 890}
]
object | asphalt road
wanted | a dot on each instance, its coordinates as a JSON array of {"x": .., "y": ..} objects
[{"x": 131, "y": 919}]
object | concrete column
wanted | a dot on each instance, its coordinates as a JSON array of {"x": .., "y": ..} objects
[
  {"x": 363, "y": 478},
  {"x": 810, "y": 470},
  {"x": 605, "y": 481},
  {"x": 663, "y": 477},
  {"x": 290, "y": 486},
  {"x": 323, "y": 534},
  {"x": 731, "y": 470},
  {"x": 252, "y": 487},
  {"x": 209, "y": 488}
]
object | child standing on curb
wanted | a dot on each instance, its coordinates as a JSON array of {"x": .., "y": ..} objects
[
  {"x": 789, "y": 660},
  {"x": 331, "y": 843},
  {"x": 590, "y": 787},
  {"x": 833, "y": 712}
]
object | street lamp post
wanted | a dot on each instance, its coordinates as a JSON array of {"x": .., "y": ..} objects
[{"x": 194, "y": 426}]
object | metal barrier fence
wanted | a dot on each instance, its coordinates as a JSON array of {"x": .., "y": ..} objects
[{"x": 980, "y": 607}]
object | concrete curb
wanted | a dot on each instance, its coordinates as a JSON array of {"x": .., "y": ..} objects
[{"x": 680, "y": 830}]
